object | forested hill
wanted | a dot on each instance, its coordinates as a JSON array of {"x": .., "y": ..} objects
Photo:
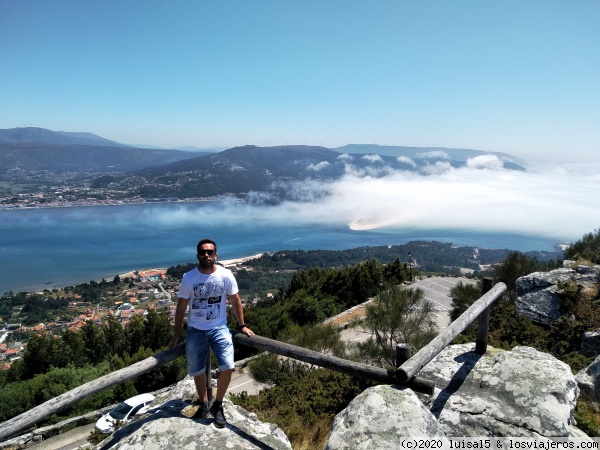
[{"x": 428, "y": 256}]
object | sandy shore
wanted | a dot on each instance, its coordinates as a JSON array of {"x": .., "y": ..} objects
[
  {"x": 234, "y": 262},
  {"x": 225, "y": 262}
]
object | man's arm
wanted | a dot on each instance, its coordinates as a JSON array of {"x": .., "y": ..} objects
[
  {"x": 238, "y": 312},
  {"x": 182, "y": 304}
]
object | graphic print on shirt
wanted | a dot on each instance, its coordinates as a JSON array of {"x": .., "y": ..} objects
[{"x": 207, "y": 299}]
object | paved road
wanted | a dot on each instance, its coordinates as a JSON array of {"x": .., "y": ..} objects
[{"x": 72, "y": 439}]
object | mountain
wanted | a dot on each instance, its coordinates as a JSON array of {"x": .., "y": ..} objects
[
  {"x": 242, "y": 169},
  {"x": 36, "y": 149},
  {"x": 161, "y": 173},
  {"x": 32, "y": 135}
]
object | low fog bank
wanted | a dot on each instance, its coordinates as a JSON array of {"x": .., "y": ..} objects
[{"x": 556, "y": 201}]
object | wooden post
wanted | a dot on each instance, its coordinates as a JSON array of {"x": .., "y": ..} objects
[
  {"x": 403, "y": 352},
  {"x": 416, "y": 362},
  {"x": 484, "y": 320}
]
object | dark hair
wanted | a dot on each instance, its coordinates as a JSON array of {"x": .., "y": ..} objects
[{"x": 205, "y": 241}]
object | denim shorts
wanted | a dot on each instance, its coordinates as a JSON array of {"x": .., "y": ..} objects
[{"x": 196, "y": 349}]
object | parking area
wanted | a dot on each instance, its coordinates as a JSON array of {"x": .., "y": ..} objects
[{"x": 437, "y": 291}]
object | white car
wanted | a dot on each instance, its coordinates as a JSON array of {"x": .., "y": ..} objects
[{"x": 124, "y": 412}]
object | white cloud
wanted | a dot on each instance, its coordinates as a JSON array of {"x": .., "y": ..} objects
[
  {"x": 344, "y": 156},
  {"x": 485, "y": 162},
  {"x": 433, "y": 154},
  {"x": 438, "y": 168},
  {"x": 406, "y": 160},
  {"x": 554, "y": 202},
  {"x": 373, "y": 158},
  {"x": 319, "y": 166}
]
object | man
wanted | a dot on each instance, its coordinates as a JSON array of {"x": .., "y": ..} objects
[{"x": 205, "y": 289}]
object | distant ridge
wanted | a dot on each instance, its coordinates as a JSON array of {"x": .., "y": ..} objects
[{"x": 33, "y": 135}]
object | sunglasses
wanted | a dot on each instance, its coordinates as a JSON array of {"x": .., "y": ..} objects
[{"x": 207, "y": 252}]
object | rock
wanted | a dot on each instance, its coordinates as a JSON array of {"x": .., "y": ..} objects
[
  {"x": 378, "y": 416},
  {"x": 590, "y": 343},
  {"x": 518, "y": 393},
  {"x": 540, "y": 306},
  {"x": 164, "y": 428},
  {"x": 538, "y": 294},
  {"x": 588, "y": 380},
  {"x": 522, "y": 392}
]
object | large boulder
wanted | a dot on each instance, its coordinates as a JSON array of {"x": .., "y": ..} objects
[
  {"x": 378, "y": 416},
  {"x": 518, "y": 393},
  {"x": 539, "y": 293},
  {"x": 521, "y": 392},
  {"x": 165, "y": 427}
]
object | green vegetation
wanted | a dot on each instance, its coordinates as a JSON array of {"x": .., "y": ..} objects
[
  {"x": 587, "y": 248},
  {"x": 54, "y": 365}
]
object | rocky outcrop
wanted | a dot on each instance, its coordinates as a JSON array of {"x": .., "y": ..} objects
[
  {"x": 590, "y": 343},
  {"x": 164, "y": 427},
  {"x": 588, "y": 380},
  {"x": 378, "y": 416},
  {"x": 520, "y": 393},
  {"x": 538, "y": 294}
]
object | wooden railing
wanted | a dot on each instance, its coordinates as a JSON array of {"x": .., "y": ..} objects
[{"x": 405, "y": 374}]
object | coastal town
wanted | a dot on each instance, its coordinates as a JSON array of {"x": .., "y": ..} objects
[
  {"x": 143, "y": 291},
  {"x": 42, "y": 189}
]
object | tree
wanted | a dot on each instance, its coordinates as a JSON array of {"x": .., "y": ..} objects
[
  {"x": 96, "y": 347},
  {"x": 115, "y": 336},
  {"x": 135, "y": 334},
  {"x": 75, "y": 347},
  {"x": 158, "y": 330},
  {"x": 588, "y": 247},
  {"x": 463, "y": 296},
  {"x": 514, "y": 266},
  {"x": 397, "y": 315}
]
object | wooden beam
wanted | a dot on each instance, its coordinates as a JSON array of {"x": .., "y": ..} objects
[
  {"x": 415, "y": 363},
  {"x": 331, "y": 362},
  {"x": 41, "y": 412}
]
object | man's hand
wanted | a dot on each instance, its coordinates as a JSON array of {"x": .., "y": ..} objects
[
  {"x": 174, "y": 342},
  {"x": 247, "y": 331}
]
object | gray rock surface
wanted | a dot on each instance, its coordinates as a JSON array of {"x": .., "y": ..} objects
[
  {"x": 164, "y": 428},
  {"x": 538, "y": 294},
  {"x": 377, "y": 417},
  {"x": 518, "y": 393},
  {"x": 588, "y": 380},
  {"x": 522, "y": 392},
  {"x": 590, "y": 343}
]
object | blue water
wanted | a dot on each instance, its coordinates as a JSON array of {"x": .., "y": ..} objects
[{"x": 46, "y": 248}]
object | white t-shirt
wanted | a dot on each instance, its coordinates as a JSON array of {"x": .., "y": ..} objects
[{"x": 207, "y": 295}]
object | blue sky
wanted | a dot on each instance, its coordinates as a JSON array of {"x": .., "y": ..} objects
[{"x": 521, "y": 77}]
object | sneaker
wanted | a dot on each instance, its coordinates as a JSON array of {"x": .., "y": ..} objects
[
  {"x": 201, "y": 412},
  {"x": 217, "y": 412}
]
